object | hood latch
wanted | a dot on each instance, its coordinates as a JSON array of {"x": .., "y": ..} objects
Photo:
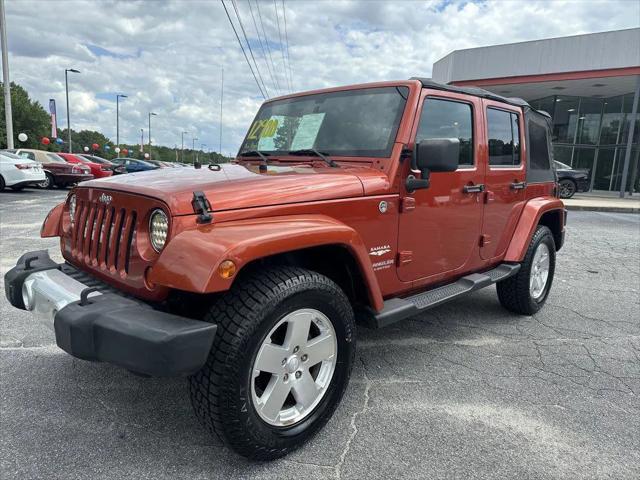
[{"x": 201, "y": 207}]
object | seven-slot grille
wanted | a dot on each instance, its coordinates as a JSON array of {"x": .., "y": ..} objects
[{"x": 102, "y": 236}]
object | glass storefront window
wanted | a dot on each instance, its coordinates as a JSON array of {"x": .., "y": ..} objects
[
  {"x": 583, "y": 159},
  {"x": 562, "y": 154},
  {"x": 589, "y": 121},
  {"x": 545, "y": 104},
  {"x": 611, "y": 120},
  {"x": 626, "y": 109},
  {"x": 619, "y": 166},
  {"x": 602, "y": 180},
  {"x": 565, "y": 118}
]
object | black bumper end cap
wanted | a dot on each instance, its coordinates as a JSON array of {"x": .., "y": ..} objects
[
  {"x": 117, "y": 330},
  {"x": 27, "y": 264}
]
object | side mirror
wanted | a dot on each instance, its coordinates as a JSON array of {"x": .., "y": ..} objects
[{"x": 433, "y": 155}]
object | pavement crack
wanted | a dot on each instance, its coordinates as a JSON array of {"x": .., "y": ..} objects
[{"x": 354, "y": 426}]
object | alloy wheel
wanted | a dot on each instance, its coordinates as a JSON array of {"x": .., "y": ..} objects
[
  {"x": 294, "y": 367},
  {"x": 539, "y": 271}
]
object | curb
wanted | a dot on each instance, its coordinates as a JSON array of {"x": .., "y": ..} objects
[{"x": 590, "y": 208}]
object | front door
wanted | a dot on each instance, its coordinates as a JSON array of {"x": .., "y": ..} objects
[
  {"x": 505, "y": 178},
  {"x": 440, "y": 225}
]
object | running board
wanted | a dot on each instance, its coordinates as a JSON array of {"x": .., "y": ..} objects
[{"x": 396, "y": 309}]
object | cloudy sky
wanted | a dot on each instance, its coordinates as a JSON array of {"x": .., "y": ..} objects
[{"x": 168, "y": 56}]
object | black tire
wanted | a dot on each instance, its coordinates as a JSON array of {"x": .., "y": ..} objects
[
  {"x": 221, "y": 390},
  {"x": 48, "y": 183},
  {"x": 2, "y": 184},
  {"x": 514, "y": 292},
  {"x": 567, "y": 188}
]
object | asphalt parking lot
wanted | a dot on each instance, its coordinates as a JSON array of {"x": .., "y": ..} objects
[{"x": 464, "y": 391}]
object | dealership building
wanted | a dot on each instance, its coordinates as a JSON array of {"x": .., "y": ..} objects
[{"x": 588, "y": 83}]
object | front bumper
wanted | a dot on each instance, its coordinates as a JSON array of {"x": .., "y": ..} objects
[{"x": 92, "y": 322}]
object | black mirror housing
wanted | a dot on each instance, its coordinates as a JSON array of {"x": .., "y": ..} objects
[
  {"x": 433, "y": 155},
  {"x": 438, "y": 154}
]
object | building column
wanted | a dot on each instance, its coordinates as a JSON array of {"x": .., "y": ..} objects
[{"x": 627, "y": 154}]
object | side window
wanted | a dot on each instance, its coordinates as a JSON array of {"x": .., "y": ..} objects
[
  {"x": 538, "y": 147},
  {"x": 448, "y": 119},
  {"x": 29, "y": 155},
  {"x": 504, "y": 138}
]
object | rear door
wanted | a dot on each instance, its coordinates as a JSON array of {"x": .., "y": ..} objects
[{"x": 505, "y": 177}]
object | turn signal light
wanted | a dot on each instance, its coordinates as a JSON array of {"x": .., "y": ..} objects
[{"x": 227, "y": 269}]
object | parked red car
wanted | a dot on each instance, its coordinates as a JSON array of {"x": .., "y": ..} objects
[
  {"x": 97, "y": 170},
  {"x": 115, "y": 168}
]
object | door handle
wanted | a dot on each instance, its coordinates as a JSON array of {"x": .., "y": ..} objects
[
  {"x": 473, "y": 188},
  {"x": 518, "y": 185}
]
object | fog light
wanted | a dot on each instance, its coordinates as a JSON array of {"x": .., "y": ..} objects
[{"x": 227, "y": 269}]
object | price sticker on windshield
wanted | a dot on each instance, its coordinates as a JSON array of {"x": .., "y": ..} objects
[{"x": 263, "y": 128}]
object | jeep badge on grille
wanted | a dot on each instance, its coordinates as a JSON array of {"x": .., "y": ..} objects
[{"x": 104, "y": 198}]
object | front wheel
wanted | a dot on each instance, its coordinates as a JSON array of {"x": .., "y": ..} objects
[
  {"x": 280, "y": 361},
  {"x": 527, "y": 291}
]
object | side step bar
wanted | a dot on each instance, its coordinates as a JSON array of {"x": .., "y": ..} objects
[{"x": 396, "y": 309}]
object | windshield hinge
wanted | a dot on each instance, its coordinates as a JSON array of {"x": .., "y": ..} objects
[{"x": 201, "y": 207}]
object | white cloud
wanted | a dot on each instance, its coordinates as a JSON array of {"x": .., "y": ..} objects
[{"x": 167, "y": 56}]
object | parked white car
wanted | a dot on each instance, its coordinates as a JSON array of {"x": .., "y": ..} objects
[{"x": 18, "y": 172}]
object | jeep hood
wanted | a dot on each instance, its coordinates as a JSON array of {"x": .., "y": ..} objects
[{"x": 237, "y": 186}]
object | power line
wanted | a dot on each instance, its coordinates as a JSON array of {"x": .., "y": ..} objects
[
  {"x": 266, "y": 41},
  {"x": 286, "y": 38},
  {"x": 235, "y": 7},
  {"x": 284, "y": 63},
  {"x": 243, "y": 52},
  {"x": 264, "y": 53}
]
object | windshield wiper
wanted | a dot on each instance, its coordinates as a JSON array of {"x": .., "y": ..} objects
[
  {"x": 257, "y": 153},
  {"x": 313, "y": 151}
]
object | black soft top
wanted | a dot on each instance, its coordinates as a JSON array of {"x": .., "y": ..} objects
[{"x": 475, "y": 91}]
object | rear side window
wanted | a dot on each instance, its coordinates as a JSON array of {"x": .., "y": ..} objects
[
  {"x": 538, "y": 147},
  {"x": 504, "y": 138},
  {"x": 29, "y": 155},
  {"x": 448, "y": 119}
]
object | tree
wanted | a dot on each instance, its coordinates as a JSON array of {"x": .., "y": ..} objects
[{"x": 28, "y": 117}]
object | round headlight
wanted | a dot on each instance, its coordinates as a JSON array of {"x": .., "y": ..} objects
[
  {"x": 72, "y": 208},
  {"x": 158, "y": 229}
]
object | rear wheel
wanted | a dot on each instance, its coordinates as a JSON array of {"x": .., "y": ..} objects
[
  {"x": 280, "y": 361},
  {"x": 48, "y": 181},
  {"x": 567, "y": 188},
  {"x": 527, "y": 291},
  {"x": 2, "y": 184}
]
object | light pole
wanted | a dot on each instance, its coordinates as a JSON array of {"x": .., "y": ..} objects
[
  {"x": 150, "y": 114},
  {"x": 118, "y": 97},
  {"x": 142, "y": 141},
  {"x": 182, "y": 148},
  {"x": 66, "y": 87},
  {"x": 202, "y": 145},
  {"x": 193, "y": 148},
  {"x": 5, "y": 76}
]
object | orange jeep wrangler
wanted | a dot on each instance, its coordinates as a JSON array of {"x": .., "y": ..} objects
[{"x": 373, "y": 202}]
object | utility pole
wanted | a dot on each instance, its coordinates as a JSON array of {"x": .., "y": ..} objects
[
  {"x": 66, "y": 87},
  {"x": 142, "y": 141},
  {"x": 221, "y": 96},
  {"x": 150, "y": 114},
  {"x": 5, "y": 78},
  {"x": 118, "y": 97},
  {"x": 182, "y": 149},
  {"x": 202, "y": 147}
]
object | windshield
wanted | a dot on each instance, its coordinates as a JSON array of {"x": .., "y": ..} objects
[
  {"x": 562, "y": 166},
  {"x": 355, "y": 123},
  {"x": 94, "y": 159}
]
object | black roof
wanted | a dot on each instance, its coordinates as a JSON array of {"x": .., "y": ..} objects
[{"x": 475, "y": 91}]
